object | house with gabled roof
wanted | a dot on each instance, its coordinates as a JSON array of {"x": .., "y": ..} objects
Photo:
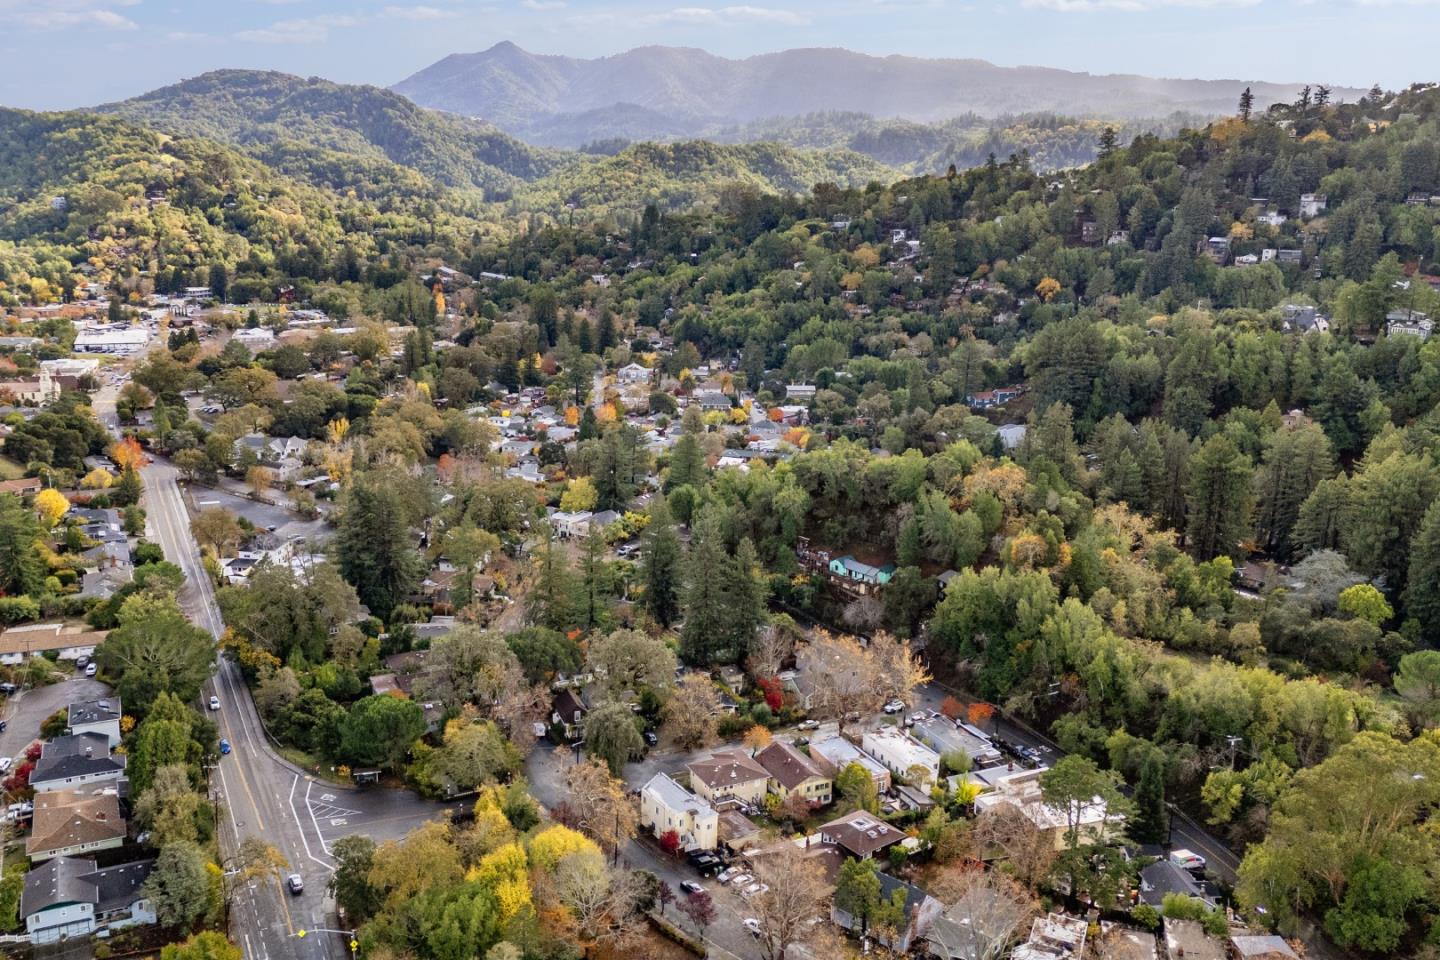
[
  {"x": 792, "y": 773},
  {"x": 67, "y": 897},
  {"x": 728, "y": 777}
]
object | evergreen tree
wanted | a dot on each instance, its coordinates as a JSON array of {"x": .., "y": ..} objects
[
  {"x": 21, "y": 569},
  {"x": 1108, "y": 142},
  {"x": 704, "y": 637},
  {"x": 687, "y": 464},
  {"x": 1219, "y": 499},
  {"x": 1247, "y": 104},
  {"x": 127, "y": 491},
  {"x": 595, "y": 583},
  {"x": 1151, "y": 819},
  {"x": 585, "y": 338},
  {"x": 551, "y": 602},
  {"x": 589, "y": 425},
  {"x": 748, "y": 592},
  {"x": 909, "y": 548},
  {"x": 661, "y": 565},
  {"x": 375, "y": 542},
  {"x": 1422, "y": 594},
  {"x": 219, "y": 281},
  {"x": 618, "y": 468},
  {"x": 605, "y": 336},
  {"x": 1294, "y": 463}
]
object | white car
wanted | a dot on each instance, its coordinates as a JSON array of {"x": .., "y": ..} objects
[
  {"x": 894, "y": 706},
  {"x": 728, "y": 874},
  {"x": 751, "y": 924},
  {"x": 754, "y": 890},
  {"x": 5, "y": 763},
  {"x": 807, "y": 725},
  {"x": 90, "y": 669},
  {"x": 739, "y": 880},
  {"x": 214, "y": 702}
]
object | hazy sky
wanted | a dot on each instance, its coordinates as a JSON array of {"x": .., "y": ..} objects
[{"x": 68, "y": 53}]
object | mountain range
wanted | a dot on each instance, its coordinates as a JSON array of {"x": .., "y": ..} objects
[{"x": 660, "y": 93}]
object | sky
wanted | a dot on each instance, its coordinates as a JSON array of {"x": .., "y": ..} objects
[{"x": 60, "y": 54}]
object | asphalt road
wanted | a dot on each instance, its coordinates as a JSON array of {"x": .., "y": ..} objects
[
  {"x": 30, "y": 708},
  {"x": 260, "y": 794}
]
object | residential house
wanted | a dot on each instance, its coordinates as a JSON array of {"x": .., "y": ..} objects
[
  {"x": 987, "y": 399},
  {"x": 66, "y": 641},
  {"x": 571, "y": 525},
  {"x": 1313, "y": 204},
  {"x": 68, "y": 822},
  {"x": 738, "y": 832},
  {"x": 1163, "y": 878},
  {"x": 633, "y": 373},
  {"x": 971, "y": 927},
  {"x": 1187, "y": 940},
  {"x": 1012, "y": 435},
  {"x": 904, "y": 756},
  {"x": 794, "y": 774},
  {"x": 257, "y": 339},
  {"x": 74, "y": 761},
  {"x": 1125, "y": 943},
  {"x": 833, "y": 753},
  {"x": 1053, "y": 937},
  {"x": 1408, "y": 323},
  {"x": 848, "y": 568},
  {"x": 1021, "y": 790},
  {"x": 67, "y": 897},
  {"x": 1304, "y": 319},
  {"x": 710, "y": 400},
  {"x": 568, "y": 710},
  {"x": 101, "y": 717},
  {"x": 860, "y": 834},
  {"x": 1089, "y": 231},
  {"x": 800, "y": 392},
  {"x": 1261, "y": 948},
  {"x": 666, "y": 806},
  {"x": 1217, "y": 249},
  {"x": 729, "y": 777},
  {"x": 921, "y": 912},
  {"x": 1290, "y": 256}
]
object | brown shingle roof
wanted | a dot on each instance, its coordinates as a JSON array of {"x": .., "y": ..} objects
[
  {"x": 788, "y": 766},
  {"x": 861, "y": 833},
  {"x": 66, "y": 818},
  {"x": 726, "y": 768}
]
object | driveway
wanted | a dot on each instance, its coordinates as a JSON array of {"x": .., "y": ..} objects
[{"x": 28, "y": 709}]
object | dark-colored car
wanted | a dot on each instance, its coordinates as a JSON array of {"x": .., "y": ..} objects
[
  {"x": 691, "y": 887},
  {"x": 651, "y": 738},
  {"x": 295, "y": 883},
  {"x": 224, "y": 747}
]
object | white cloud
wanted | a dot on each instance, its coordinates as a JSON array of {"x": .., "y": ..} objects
[
  {"x": 419, "y": 13},
  {"x": 67, "y": 14},
  {"x": 717, "y": 16},
  {"x": 543, "y": 4},
  {"x": 298, "y": 31},
  {"x": 1132, "y": 6}
]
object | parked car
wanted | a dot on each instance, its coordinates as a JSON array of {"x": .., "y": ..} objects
[
  {"x": 917, "y": 717},
  {"x": 754, "y": 890},
  {"x": 1187, "y": 860},
  {"x": 894, "y": 706},
  {"x": 214, "y": 702},
  {"x": 728, "y": 874},
  {"x": 90, "y": 670},
  {"x": 296, "y": 883},
  {"x": 801, "y": 741},
  {"x": 8, "y": 689},
  {"x": 651, "y": 738},
  {"x": 691, "y": 887},
  {"x": 81, "y": 661},
  {"x": 224, "y": 747},
  {"x": 740, "y": 881},
  {"x": 752, "y": 925},
  {"x": 808, "y": 724},
  {"x": 5, "y": 764}
]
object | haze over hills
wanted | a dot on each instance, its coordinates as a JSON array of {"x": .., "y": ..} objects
[{"x": 667, "y": 92}]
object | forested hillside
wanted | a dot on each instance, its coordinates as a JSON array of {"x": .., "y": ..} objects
[{"x": 297, "y": 125}]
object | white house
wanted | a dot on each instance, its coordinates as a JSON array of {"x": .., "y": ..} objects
[
  {"x": 70, "y": 897},
  {"x": 258, "y": 339},
  {"x": 74, "y": 761},
  {"x": 18, "y": 644},
  {"x": 837, "y": 753},
  {"x": 100, "y": 717},
  {"x": 666, "y": 806},
  {"x": 1021, "y": 790},
  {"x": 634, "y": 373},
  {"x": 1313, "y": 204},
  {"x": 571, "y": 525},
  {"x": 903, "y": 756}
]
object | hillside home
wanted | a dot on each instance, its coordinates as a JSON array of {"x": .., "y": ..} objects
[
  {"x": 667, "y": 806},
  {"x": 633, "y": 373},
  {"x": 848, "y": 568},
  {"x": 1313, "y": 204},
  {"x": 1408, "y": 323},
  {"x": 68, "y": 897}
]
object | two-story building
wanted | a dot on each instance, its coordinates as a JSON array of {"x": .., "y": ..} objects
[
  {"x": 1093, "y": 820},
  {"x": 68, "y": 897},
  {"x": 729, "y": 777},
  {"x": 794, "y": 774},
  {"x": 68, "y": 823},
  {"x": 666, "y": 806},
  {"x": 903, "y": 756},
  {"x": 860, "y": 834},
  {"x": 74, "y": 761},
  {"x": 96, "y": 716}
]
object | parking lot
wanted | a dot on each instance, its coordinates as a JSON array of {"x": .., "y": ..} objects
[
  {"x": 378, "y": 813},
  {"x": 263, "y": 515}
]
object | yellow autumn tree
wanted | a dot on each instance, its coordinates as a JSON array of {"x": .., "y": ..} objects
[
  {"x": 51, "y": 505},
  {"x": 439, "y": 301},
  {"x": 1047, "y": 288},
  {"x": 336, "y": 430},
  {"x": 506, "y": 872},
  {"x": 1027, "y": 551},
  {"x": 553, "y": 844},
  {"x": 98, "y": 479},
  {"x": 127, "y": 453}
]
